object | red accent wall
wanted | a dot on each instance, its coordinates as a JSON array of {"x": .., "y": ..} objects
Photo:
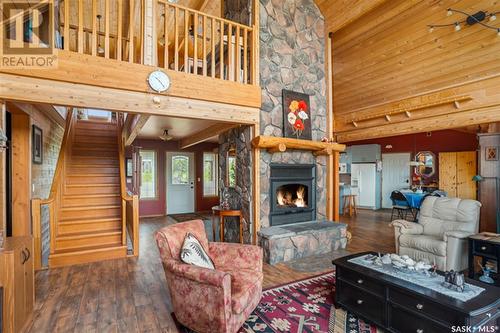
[
  {"x": 438, "y": 141},
  {"x": 157, "y": 206}
]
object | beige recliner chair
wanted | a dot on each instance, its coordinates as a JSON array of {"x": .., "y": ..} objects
[{"x": 441, "y": 233}]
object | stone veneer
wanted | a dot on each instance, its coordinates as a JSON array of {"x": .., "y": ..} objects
[
  {"x": 42, "y": 174},
  {"x": 291, "y": 57},
  {"x": 241, "y": 195}
]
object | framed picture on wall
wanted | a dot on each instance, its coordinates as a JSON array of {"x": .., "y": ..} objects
[
  {"x": 37, "y": 145},
  {"x": 491, "y": 154},
  {"x": 128, "y": 167},
  {"x": 296, "y": 115}
]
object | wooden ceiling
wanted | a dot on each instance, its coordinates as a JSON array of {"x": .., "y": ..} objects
[{"x": 388, "y": 59}]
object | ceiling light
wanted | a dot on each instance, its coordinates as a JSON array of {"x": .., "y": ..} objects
[
  {"x": 450, "y": 12},
  {"x": 493, "y": 17},
  {"x": 457, "y": 27},
  {"x": 431, "y": 28},
  {"x": 165, "y": 136}
]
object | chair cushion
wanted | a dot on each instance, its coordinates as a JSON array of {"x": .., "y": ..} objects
[
  {"x": 424, "y": 243},
  {"x": 245, "y": 286},
  {"x": 172, "y": 237},
  {"x": 193, "y": 253}
]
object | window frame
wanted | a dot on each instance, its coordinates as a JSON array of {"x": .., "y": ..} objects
[
  {"x": 215, "y": 175},
  {"x": 155, "y": 176}
]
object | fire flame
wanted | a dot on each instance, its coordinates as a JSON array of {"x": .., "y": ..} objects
[{"x": 285, "y": 198}]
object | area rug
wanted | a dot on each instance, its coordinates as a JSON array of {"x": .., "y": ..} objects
[
  {"x": 302, "y": 306},
  {"x": 187, "y": 217}
]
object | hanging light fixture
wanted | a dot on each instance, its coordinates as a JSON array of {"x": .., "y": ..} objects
[
  {"x": 100, "y": 50},
  {"x": 165, "y": 136},
  {"x": 470, "y": 19}
]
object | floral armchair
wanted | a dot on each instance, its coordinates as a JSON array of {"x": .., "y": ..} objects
[{"x": 208, "y": 300}]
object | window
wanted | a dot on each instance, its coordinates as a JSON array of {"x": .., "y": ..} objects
[
  {"x": 231, "y": 167},
  {"x": 210, "y": 183},
  {"x": 180, "y": 170},
  {"x": 148, "y": 174}
]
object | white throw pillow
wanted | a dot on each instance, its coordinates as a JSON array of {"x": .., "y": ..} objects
[{"x": 194, "y": 254}]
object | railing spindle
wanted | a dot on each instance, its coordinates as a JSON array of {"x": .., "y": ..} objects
[
  {"x": 80, "y": 26},
  {"x": 212, "y": 47},
  {"x": 186, "y": 40},
  {"x": 245, "y": 56},
  {"x": 119, "y": 33},
  {"x": 165, "y": 37},
  {"x": 106, "y": 29},
  {"x": 221, "y": 51},
  {"x": 176, "y": 39},
  {"x": 230, "y": 52},
  {"x": 66, "y": 25},
  {"x": 94, "y": 28},
  {"x": 195, "y": 43},
  {"x": 238, "y": 55},
  {"x": 131, "y": 23},
  {"x": 204, "y": 36}
]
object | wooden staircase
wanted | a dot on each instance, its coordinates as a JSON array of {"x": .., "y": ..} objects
[{"x": 90, "y": 210}]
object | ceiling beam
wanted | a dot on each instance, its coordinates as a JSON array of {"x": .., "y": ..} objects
[
  {"x": 41, "y": 91},
  {"x": 135, "y": 128},
  {"x": 440, "y": 122},
  {"x": 205, "y": 134}
]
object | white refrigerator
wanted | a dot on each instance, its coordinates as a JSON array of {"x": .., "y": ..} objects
[{"x": 364, "y": 182}]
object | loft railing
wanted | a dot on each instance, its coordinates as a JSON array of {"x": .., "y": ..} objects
[
  {"x": 112, "y": 29},
  {"x": 183, "y": 39},
  {"x": 194, "y": 42}
]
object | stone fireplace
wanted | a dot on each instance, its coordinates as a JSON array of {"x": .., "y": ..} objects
[{"x": 293, "y": 193}]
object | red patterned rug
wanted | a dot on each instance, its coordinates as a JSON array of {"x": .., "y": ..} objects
[{"x": 302, "y": 306}]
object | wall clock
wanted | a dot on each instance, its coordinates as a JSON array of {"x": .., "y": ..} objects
[{"x": 159, "y": 81}]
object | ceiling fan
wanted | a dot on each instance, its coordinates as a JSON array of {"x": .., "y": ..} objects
[{"x": 165, "y": 136}]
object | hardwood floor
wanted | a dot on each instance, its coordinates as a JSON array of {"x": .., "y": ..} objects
[{"x": 130, "y": 295}]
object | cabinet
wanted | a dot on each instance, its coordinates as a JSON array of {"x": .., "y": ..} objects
[
  {"x": 17, "y": 280},
  {"x": 456, "y": 170},
  {"x": 365, "y": 153}
]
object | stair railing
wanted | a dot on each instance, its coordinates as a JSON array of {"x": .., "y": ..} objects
[
  {"x": 130, "y": 203},
  {"x": 54, "y": 200}
]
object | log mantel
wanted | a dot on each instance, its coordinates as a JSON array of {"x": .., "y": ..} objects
[{"x": 275, "y": 144}]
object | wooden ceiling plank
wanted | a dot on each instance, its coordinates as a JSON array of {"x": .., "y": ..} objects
[{"x": 205, "y": 134}]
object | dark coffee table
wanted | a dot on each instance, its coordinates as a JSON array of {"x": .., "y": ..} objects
[{"x": 400, "y": 306}]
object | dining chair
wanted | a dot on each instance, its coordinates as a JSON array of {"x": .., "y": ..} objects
[{"x": 401, "y": 206}]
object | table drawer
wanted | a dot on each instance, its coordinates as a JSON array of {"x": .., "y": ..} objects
[
  {"x": 360, "y": 302},
  {"x": 418, "y": 304},
  {"x": 404, "y": 321},
  {"x": 484, "y": 248},
  {"x": 361, "y": 281}
]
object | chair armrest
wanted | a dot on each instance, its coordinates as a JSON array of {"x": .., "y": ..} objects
[
  {"x": 198, "y": 274},
  {"x": 456, "y": 234},
  {"x": 236, "y": 255},
  {"x": 406, "y": 227}
]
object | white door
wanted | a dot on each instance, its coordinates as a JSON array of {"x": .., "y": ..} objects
[
  {"x": 366, "y": 185},
  {"x": 395, "y": 175},
  {"x": 180, "y": 183}
]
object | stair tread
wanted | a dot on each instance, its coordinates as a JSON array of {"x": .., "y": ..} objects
[
  {"x": 94, "y": 185},
  {"x": 103, "y": 195},
  {"x": 76, "y": 235},
  {"x": 90, "y": 220},
  {"x": 88, "y": 249},
  {"x": 87, "y": 207}
]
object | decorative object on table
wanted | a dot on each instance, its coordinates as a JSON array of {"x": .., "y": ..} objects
[
  {"x": 454, "y": 281},
  {"x": 486, "y": 278},
  {"x": 296, "y": 115},
  {"x": 479, "y": 178},
  {"x": 469, "y": 20},
  {"x": 129, "y": 168},
  {"x": 491, "y": 154},
  {"x": 37, "y": 145},
  {"x": 485, "y": 247},
  {"x": 225, "y": 205}
]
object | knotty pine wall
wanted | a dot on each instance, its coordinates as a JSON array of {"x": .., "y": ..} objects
[{"x": 387, "y": 59}]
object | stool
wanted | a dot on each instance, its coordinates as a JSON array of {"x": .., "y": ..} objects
[
  {"x": 222, "y": 215},
  {"x": 350, "y": 204}
]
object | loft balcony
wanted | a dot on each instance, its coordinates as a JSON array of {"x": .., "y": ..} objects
[{"x": 117, "y": 43}]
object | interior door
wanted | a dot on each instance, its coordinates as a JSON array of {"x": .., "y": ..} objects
[
  {"x": 366, "y": 185},
  {"x": 395, "y": 175},
  {"x": 466, "y": 169},
  {"x": 180, "y": 183}
]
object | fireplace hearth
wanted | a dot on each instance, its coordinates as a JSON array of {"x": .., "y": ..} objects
[{"x": 293, "y": 193}]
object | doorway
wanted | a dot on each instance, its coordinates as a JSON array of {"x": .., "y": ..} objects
[
  {"x": 395, "y": 175},
  {"x": 180, "y": 183}
]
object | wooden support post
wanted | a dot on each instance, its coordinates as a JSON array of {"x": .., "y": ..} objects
[
  {"x": 3, "y": 203},
  {"x": 335, "y": 185},
  {"x": 256, "y": 185}
]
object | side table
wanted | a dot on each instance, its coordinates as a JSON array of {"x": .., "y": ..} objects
[
  {"x": 486, "y": 246},
  {"x": 223, "y": 213}
]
